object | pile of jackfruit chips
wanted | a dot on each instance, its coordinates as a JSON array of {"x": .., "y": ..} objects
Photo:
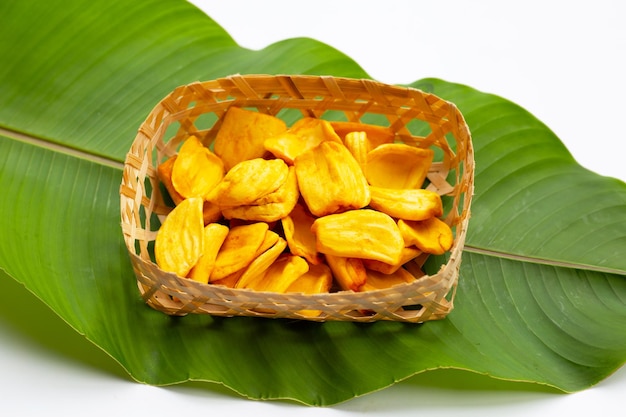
[{"x": 316, "y": 207}]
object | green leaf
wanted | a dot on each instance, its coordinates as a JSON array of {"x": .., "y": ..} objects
[
  {"x": 533, "y": 199},
  {"x": 542, "y": 294}
]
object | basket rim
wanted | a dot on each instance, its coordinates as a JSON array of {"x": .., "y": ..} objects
[{"x": 242, "y": 84}]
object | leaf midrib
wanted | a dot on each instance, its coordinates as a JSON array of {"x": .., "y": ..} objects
[
  {"x": 542, "y": 261},
  {"x": 62, "y": 148}
]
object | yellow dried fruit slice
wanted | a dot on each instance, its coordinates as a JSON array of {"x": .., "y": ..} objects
[
  {"x": 164, "y": 173},
  {"x": 229, "y": 281},
  {"x": 280, "y": 274},
  {"x": 179, "y": 241},
  {"x": 349, "y": 273},
  {"x": 214, "y": 235},
  {"x": 330, "y": 179},
  {"x": 270, "y": 240},
  {"x": 196, "y": 170},
  {"x": 314, "y": 131},
  {"x": 407, "y": 204},
  {"x": 305, "y": 134},
  {"x": 286, "y": 192},
  {"x": 211, "y": 213},
  {"x": 318, "y": 280},
  {"x": 271, "y": 207},
  {"x": 286, "y": 146},
  {"x": 242, "y": 133},
  {"x": 270, "y": 243},
  {"x": 239, "y": 249},
  {"x": 265, "y": 213},
  {"x": 271, "y": 249},
  {"x": 397, "y": 165},
  {"x": 249, "y": 181},
  {"x": 297, "y": 229},
  {"x": 366, "y": 234},
  {"x": 408, "y": 254},
  {"x": 359, "y": 146},
  {"x": 378, "y": 281},
  {"x": 377, "y": 135},
  {"x": 432, "y": 236}
]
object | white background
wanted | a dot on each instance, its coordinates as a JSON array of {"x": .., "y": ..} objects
[{"x": 561, "y": 60}]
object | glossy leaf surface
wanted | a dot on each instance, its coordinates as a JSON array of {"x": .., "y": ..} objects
[{"x": 542, "y": 295}]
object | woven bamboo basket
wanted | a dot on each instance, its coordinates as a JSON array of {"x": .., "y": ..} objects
[{"x": 198, "y": 109}]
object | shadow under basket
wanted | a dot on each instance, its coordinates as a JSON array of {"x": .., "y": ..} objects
[{"x": 417, "y": 118}]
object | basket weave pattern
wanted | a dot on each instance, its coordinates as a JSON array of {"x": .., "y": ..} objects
[{"x": 198, "y": 109}]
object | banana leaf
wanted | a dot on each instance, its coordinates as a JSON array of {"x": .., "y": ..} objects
[{"x": 542, "y": 291}]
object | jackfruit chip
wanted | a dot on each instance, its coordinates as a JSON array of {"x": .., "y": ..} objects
[
  {"x": 377, "y": 135},
  {"x": 280, "y": 274},
  {"x": 196, "y": 170},
  {"x": 378, "y": 281},
  {"x": 349, "y": 273},
  {"x": 179, "y": 241},
  {"x": 305, "y": 134},
  {"x": 249, "y": 181},
  {"x": 358, "y": 145},
  {"x": 228, "y": 281},
  {"x": 432, "y": 235},
  {"x": 239, "y": 249},
  {"x": 365, "y": 234},
  {"x": 211, "y": 213},
  {"x": 330, "y": 179},
  {"x": 242, "y": 133},
  {"x": 286, "y": 146},
  {"x": 314, "y": 131},
  {"x": 317, "y": 280},
  {"x": 297, "y": 229},
  {"x": 408, "y": 254},
  {"x": 397, "y": 165},
  {"x": 407, "y": 204},
  {"x": 271, "y": 207},
  {"x": 164, "y": 173},
  {"x": 213, "y": 237},
  {"x": 272, "y": 248}
]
